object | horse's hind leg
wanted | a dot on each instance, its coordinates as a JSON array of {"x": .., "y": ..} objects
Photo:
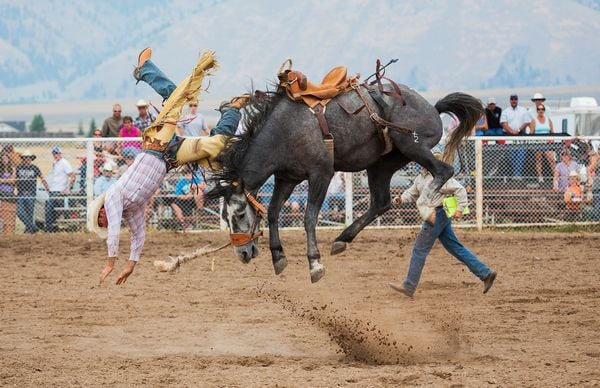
[
  {"x": 380, "y": 175},
  {"x": 421, "y": 153},
  {"x": 281, "y": 193}
]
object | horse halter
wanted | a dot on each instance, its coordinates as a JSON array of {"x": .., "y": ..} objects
[{"x": 240, "y": 239}]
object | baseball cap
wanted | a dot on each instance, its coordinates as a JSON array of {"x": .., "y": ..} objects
[
  {"x": 56, "y": 150},
  {"x": 141, "y": 103},
  {"x": 514, "y": 96},
  {"x": 491, "y": 100},
  {"x": 107, "y": 167},
  {"x": 574, "y": 174}
]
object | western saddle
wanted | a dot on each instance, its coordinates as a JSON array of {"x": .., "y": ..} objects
[
  {"x": 299, "y": 88},
  {"x": 317, "y": 96}
]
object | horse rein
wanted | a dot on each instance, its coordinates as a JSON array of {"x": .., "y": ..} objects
[{"x": 240, "y": 239}]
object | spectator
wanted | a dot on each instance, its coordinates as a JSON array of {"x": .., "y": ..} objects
[
  {"x": 129, "y": 130},
  {"x": 573, "y": 197},
  {"x": 514, "y": 120},
  {"x": 481, "y": 126},
  {"x": 112, "y": 124},
  {"x": 187, "y": 197},
  {"x": 538, "y": 99},
  {"x": 8, "y": 209},
  {"x": 542, "y": 125},
  {"x": 129, "y": 154},
  {"x": 563, "y": 170},
  {"x": 106, "y": 180},
  {"x": 27, "y": 174},
  {"x": 297, "y": 200},
  {"x": 335, "y": 196},
  {"x": 60, "y": 183},
  {"x": 193, "y": 123},
  {"x": 492, "y": 115},
  {"x": 144, "y": 118}
]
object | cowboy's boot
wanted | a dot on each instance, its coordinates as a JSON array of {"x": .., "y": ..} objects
[
  {"x": 144, "y": 55},
  {"x": 237, "y": 102}
]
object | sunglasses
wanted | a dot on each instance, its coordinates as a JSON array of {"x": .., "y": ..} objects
[
  {"x": 541, "y": 110},
  {"x": 116, "y": 111},
  {"x": 514, "y": 99},
  {"x": 193, "y": 105}
]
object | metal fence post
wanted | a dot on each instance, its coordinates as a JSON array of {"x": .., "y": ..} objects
[
  {"x": 348, "y": 205},
  {"x": 479, "y": 183},
  {"x": 89, "y": 178}
]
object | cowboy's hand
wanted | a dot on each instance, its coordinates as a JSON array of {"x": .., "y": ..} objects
[
  {"x": 457, "y": 215},
  {"x": 126, "y": 272},
  {"x": 397, "y": 200},
  {"x": 110, "y": 265}
]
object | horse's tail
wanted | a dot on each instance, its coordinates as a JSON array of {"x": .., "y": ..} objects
[{"x": 468, "y": 110}]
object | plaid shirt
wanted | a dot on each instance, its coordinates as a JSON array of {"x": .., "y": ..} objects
[
  {"x": 143, "y": 124},
  {"x": 128, "y": 197}
]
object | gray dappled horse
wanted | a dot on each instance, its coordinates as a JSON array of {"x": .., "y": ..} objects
[{"x": 283, "y": 138}]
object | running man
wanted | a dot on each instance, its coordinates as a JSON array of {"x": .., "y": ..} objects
[{"x": 438, "y": 225}]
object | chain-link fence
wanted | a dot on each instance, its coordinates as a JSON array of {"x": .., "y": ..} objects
[{"x": 510, "y": 181}]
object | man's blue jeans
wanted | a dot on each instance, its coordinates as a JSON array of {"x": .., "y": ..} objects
[
  {"x": 518, "y": 159},
  {"x": 51, "y": 213},
  {"x": 25, "y": 208},
  {"x": 442, "y": 230},
  {"x": 153, "y": 76}
]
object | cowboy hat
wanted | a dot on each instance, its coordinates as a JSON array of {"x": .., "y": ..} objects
[
  {"x": 28, "y": 154},
  {"x": 141, "y": 103},
  {"x": 538, "y": 96},
  {"x": 93, "y": 213}
]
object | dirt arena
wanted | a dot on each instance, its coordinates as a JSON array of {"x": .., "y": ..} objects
[{"x": 240, "y": 325}]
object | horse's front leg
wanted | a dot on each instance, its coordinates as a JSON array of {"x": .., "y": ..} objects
[
  {"x": 281, "y": 193},
  {"x": 380, "y": 175},
  {"x": 317, "y": 190}
]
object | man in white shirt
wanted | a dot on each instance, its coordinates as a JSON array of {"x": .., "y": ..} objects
[
  {"x": 514, "y": 121},
  {"x": 60, "y": 183},
  {"x": 193, "y": 123}
]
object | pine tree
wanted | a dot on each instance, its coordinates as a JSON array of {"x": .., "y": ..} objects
[
  {"x": 37, "y": 124},
  {"x": 80, "y": 128},
  {"x": 92, "y": 127}
]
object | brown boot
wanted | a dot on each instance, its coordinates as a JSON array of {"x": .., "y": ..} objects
[
  {"x": 489, "y": 281},
  {"x": 144, "y": 55},
  {"x": 236, "y": 102},
  {"x": 398, "y": 287}
]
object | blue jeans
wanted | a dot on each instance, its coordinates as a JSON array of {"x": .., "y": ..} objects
[
  {"x": 517, "y": 159},
  {"x": 162, "y": 85},
  {"x": 442, "y": 230},
  {"x": 157, "y": 80},
  {"x": 25, "y": 208},
  {"x": 228, "y": 123},
  {"x": 51, "y": 214}
]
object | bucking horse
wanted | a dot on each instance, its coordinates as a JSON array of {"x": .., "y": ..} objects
[{"x": 379, "y": 126}]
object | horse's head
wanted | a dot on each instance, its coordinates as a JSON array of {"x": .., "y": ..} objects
[{"x": 243, "y": 213}]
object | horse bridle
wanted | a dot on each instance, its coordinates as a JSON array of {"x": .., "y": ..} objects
[{"x": 240, "y": 239}]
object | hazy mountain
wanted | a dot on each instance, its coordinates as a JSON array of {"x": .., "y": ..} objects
[{"x": 75, "y": 50}]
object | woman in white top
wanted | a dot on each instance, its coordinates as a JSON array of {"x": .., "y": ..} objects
[{"x": 542, "y": 125}]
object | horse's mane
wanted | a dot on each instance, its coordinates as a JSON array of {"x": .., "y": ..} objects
[{"x": 255, "y": 113}]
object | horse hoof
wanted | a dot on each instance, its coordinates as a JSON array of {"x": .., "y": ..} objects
[
  {"x": 338, "y": 247},
  {"x": 317, "y": 273},
  {"x": 280, "y": 265}
]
